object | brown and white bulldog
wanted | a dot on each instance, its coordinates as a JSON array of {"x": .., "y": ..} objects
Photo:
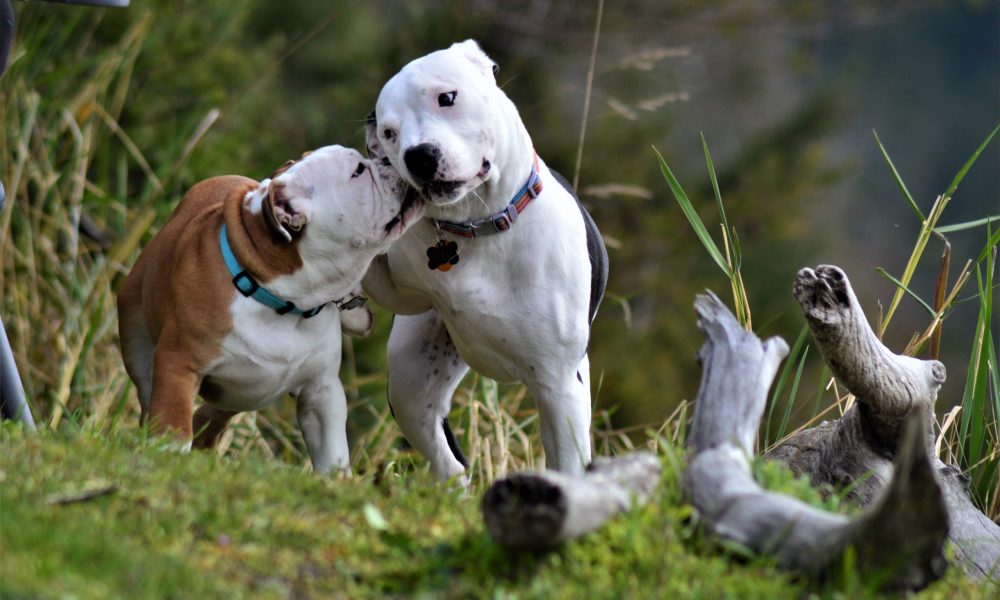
[{"x": 244, "y": 327}]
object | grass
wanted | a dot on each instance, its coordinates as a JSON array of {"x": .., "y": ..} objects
[{"x": 172, "y": 526}]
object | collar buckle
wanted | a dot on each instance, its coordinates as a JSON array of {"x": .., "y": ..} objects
[
  {"x": 252, "y": 285},
  {"x": 351, "y": 304},
  {"x": 533, "y": 182},
  {"x": 505, "y": 219}
]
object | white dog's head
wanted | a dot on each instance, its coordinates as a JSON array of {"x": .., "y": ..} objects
[
  {"x": 436, "y": 122},
  {"x": 334, "y": 199}
]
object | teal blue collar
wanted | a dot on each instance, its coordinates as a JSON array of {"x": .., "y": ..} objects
[{"x": 249, "y": 287}]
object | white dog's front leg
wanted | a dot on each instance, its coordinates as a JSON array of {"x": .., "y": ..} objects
[
  {"x": 564, "y": 418},
  {"x": 378, "y": 284},
  {"x": 424, "y": 370},
  {"x": 322, "y": 413}
]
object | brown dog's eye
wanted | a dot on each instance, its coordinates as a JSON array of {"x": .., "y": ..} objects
[
  {"x": 447, "y": 99},
  {"x": 361, "y": 169}
]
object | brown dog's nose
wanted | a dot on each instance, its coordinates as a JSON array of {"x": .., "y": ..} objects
[{"x": 422, "y": 161}]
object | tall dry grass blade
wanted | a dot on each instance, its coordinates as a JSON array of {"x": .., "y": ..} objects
[
  {"x": 911, "y": 265},
  {"x": 940, "y": 288},
  {"x": 196, "y": 136},
  {"x": 22, "y": 153},
  {"x": 945, "y": 443},
  {"x": 133, "y": 150},
  {"x": 938, "y": 317},
  {"x": 587, "y": 93}
]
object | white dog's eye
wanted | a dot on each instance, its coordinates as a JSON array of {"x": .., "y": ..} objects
[
  {"x": 447, "y": 99},
  {"x": 361, "y": 169},
  {"x": 388, "y": 134}
]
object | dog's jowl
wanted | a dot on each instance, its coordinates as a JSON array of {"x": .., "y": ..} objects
[
  {"x": 240, "y": 296},
  {"x": 504, "y": 274}
]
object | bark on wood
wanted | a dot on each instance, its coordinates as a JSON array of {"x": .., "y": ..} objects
[
  {"x": 900, "y": 538},
  {"x": 538, "y": 511},
  {"x": 858, "y": 449}
]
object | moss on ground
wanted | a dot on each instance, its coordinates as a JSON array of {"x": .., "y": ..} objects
[{"x": 197, "y": 525}]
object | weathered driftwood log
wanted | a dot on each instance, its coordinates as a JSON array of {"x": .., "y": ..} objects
[
  {"x": 538, "y": 511},
  {"x": 858, "y": 449},
  {"x": 899, "y": 539}
]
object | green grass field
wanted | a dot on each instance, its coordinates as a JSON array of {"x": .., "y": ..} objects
[{"x": 180, "y": 526}]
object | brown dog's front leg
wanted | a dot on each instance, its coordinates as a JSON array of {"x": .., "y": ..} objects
[{"x": 175, "y": 382}]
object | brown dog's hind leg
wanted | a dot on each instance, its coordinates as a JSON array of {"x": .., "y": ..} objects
[
  {"x": 209, "y": 425},
  {"x": 134, "y": 340}
]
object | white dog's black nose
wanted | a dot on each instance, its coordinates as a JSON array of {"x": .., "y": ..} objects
[{"x": 422, "y": 161}]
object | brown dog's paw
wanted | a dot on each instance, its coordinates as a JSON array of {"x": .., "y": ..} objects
[{"x": 357, "y": 322}]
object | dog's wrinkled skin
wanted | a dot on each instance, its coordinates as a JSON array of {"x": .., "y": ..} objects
[
  {"x": 518, "y": 305},
  {"x": 307, "y": 234}
]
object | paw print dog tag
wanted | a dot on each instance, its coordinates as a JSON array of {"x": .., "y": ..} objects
[{"x": 443, "y": 256}]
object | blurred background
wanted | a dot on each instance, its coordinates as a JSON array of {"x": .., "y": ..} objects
[{"x": 110, "y": 115}]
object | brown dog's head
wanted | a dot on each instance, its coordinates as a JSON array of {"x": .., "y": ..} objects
[{"x": 346, "y": 200}]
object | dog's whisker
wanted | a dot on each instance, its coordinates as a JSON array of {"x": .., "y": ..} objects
[{"x": 480, "y": 198}]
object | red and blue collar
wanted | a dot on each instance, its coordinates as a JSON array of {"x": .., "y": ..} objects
[{"x": 503, "y": 220}]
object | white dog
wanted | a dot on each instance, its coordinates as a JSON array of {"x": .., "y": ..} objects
[
  {"x": 239, "y": 297},
  {"x": 506, "y": 273}
]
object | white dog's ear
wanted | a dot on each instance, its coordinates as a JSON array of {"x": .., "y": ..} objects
[
  {"x": 280, "y": 215},
  {"x": 471, "y": 50}
]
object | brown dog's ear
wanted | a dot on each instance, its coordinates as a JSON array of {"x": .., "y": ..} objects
[
  {"x": 371, "y": 138},
  {"x": 280, "y": 216},
  {"x": 288, "y": 164}
]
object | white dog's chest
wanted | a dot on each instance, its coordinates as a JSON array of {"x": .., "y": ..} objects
[
  {"x": 267, "y": 355},
  {"x": 501, "y": 288}
]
